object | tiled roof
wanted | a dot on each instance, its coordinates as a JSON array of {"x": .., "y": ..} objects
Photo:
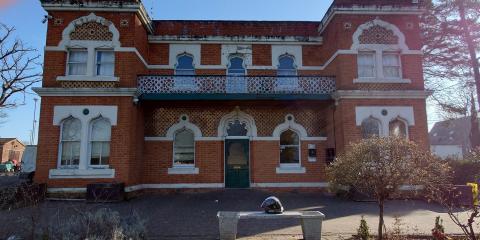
[
  {"x": 451, "y": 132},
  {"x": 5, "y": 140}
]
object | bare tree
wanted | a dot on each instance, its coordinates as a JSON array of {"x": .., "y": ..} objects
[
  {"x": 379, "y": 167},
  {"x": 451, "y": 35},
  {"x": 18, "y": 68}
]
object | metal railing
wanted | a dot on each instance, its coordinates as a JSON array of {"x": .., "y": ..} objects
[{"x": 218, "y": 84}]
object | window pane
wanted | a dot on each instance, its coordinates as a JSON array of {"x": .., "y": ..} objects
[
  {"x": 391, "y": 65},
  {"x": 96, "y": 153},
  {"x": 70, "y": 153},
  {"x": 286, "y": 63},
  {"x": 185, "y": 62},
  {"x": 71, "y": 128},
  {"x": 366, "y": 64},
  {"x": 289, "y": 155},
  {"x": 237, "y": 129},
  {"x": 184, "y": 146},
  {"x": 105, "y": 153},
  {"x": 77, "y": 62},
  {"x": 101, "y": 130},
  {"x": 105, "y": 63},
  {"x": 370, "y": 127},
  {"x": 236, "y": 66},
  {"x": 398, "y": 128},
  {"x": 391, "y": 60},
  {"x": 289, "y": 137}
]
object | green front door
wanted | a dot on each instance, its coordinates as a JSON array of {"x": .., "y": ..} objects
[{"x": 237, "y": 170}]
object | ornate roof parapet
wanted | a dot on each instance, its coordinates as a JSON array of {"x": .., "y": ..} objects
[
  {"x": 414, "y": 7},
  {"x": 134, "y": 6}
]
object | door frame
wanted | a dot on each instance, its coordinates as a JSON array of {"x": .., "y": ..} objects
[{"x": 225, "y": 159}]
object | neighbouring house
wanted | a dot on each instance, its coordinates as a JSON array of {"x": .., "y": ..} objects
[
  {"x": 451, "y": 138},
  {"x": 171, "y": 104},
  {"x": 12, "y": 150}
]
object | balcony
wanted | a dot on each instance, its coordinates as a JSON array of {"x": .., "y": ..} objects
[{"x": 217, "y": 87}]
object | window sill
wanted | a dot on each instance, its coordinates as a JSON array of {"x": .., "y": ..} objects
[
  {"x": 81, "y": 173},
  {"x": 183, "y": 171},
  {"x": 291, "y": 170},
  {"x": 88, "y": 78},
  {"x": 381, "y": 80}
]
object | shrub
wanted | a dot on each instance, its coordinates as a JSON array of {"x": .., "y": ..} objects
[
  {"x": 363, "y": 231},
  {"x": 465, "y": 171},
  {"x": 103, "y": 224}
]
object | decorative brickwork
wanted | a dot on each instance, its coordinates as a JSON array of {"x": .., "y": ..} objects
[
  {"x": 158, "y": 120},
  {"x": 85, "y": 84},
  {"x": 378, "y": 35},
  {"x": 384, "y": 86},
  {"x": 92, "y": 31}
]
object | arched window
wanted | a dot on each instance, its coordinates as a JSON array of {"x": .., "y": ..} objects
[
  {"x": 236, "y": 82},
  {"x": 397, "y": 128},
  {"x": 236, "y": 128},
  {"x": 370, "y": 128},
  {"x": 70, "y": 143},
  {"x": 185, "y": 65},
  {"x": 287, "y": 73},
  {"x": 100, "y": 136},
  {"x": 236, "y": 67},
  {"x": 286, "y": 66},
  {"x": 184, "y": 148},
  {"x": 289, "y": 148}
]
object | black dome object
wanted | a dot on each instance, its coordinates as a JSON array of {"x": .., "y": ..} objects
[{"x": 272, "y": 205}]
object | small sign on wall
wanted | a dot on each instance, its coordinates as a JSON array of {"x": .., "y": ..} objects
[{"x": 312, "y": 153}]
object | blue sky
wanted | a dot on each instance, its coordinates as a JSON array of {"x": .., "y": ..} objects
[{"x": 26, "y": 16}]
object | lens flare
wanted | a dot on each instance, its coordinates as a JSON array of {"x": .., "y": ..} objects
[{"x": 6, "y": 3}]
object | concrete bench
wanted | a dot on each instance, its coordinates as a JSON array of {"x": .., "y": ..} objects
[{"x": 311, "y": 222}]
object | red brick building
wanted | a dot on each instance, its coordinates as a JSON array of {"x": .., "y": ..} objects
[{"x": 222, "y": 104}]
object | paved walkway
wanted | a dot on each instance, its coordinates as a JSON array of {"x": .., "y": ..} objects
[{"x": 193, "y": 215}]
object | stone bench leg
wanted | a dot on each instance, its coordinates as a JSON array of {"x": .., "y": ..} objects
[
  {"x": 312, "y": 228},
  {"x": 228, "y": 227}
]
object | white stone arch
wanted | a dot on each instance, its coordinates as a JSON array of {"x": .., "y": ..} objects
[
  {"x": 295, "y": 64},
  {"x": 66, "y": 42},
  {"x": 377, "y": 22},
  {"x": 381, "y": 127},
  {"x": 290, "y": 124},
  {"x": 402, "y": 120},
  {"x": 240, "y": 116},
  {"x": 184, "y": 123}
]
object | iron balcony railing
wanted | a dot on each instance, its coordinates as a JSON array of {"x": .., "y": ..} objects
[{"x": 217, "y": 84}]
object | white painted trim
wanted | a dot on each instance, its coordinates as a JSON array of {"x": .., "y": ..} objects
[
  {"x": 181, "y": 125},
  {"x": 183, "y": 170},
  {"x": 291, "y": 185},
  {"x": 290, "y": 170},
  {"x": 290, "y": 124},
  {"x": 81, "y": 173},
  {"x": 405, "y": 113},
  {"x": 376, "y": 94},
  {"x": 93, "y": 92},
  {"x": 87, "y": 78},
  {"x": 293, "y": 50},
  {"x": 76, "y": 111},
  {"x": 236, "y": 50},
  {"x": 242, "y": 117},
  {"x": 378, "y": 22},
  {"x": 381, "y": 80},
  {"x": 313, "y": 139},
  {"x": 222, "y": 67},
  {"x": 66, "y": 190},
  {"x": 174, "y": 186},
  {"x": 236, "y": 39},
  {"x": 366, "y": 10},
  {"x": 160, "y": 139}
]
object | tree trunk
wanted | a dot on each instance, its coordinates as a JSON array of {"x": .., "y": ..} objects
[
  {"x": 381, "y": 203},
  {"x": 470, "y": 45}
]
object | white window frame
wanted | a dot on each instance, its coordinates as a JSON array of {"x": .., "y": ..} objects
[
  {"x": 70, "y": 50},
  {"x": 97, "y": 64},
  {"x": 189, "y": 166},
  {"x": 291, "y": 165},
  {"x": 374, "y": 55},
  {"x": 90, "y": 141},
  {"x": 379, "y": 50},
  {"x": 60, "y": 145},
  {"x": 380, "y": 127},
  {"x": 399, "y": 58},
  {"x": 405, "y": 123}
]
